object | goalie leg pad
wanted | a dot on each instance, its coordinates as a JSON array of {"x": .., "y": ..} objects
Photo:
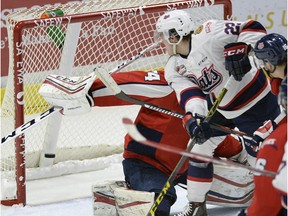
[
  {"x": 70, "y": 93},
  {"x": 104, "y": 203},
  {"x": 231, "y": 187},
  {"x": 133, "y": 203}
]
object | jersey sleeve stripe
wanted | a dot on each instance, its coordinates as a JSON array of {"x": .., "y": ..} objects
[
  {"x": 254, "y": 26},
  {"x": 249, "y": 93},
  {"x": 189, "y": 94}
]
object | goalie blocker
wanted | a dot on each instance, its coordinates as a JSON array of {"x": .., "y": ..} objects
[{"x": 69, "y": 93}]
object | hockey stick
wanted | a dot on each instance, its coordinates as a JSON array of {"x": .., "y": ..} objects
[
  {"x": 137, "y": 56},
  {"x": 117, "y": 91},
  {"x": 136, "y": 135},
  {"x": 28, "y": 125},
  {"x": 24, "y": 127},
  {"x": 182, "y": 160}
]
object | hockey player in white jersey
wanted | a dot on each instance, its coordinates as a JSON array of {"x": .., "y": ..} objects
[{"x": 203, "y": 61}]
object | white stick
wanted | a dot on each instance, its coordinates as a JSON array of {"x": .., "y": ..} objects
[{"x": 20, "y": 130}]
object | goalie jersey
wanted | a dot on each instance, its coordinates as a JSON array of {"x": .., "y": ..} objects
[
  {"x": 149, "y": 87},
  {"x": 203, "y": 71}
]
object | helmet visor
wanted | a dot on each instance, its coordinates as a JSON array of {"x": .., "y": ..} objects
[{"x": 170, "y": 36}]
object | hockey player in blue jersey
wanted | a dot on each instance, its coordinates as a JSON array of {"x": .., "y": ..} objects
[{"x": 202, "y": 62}]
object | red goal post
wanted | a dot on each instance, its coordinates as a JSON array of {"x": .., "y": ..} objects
[{"x": 89, "y": 33}]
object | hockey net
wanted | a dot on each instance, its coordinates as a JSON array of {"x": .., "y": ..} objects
[{"x": 89, "y": 34}]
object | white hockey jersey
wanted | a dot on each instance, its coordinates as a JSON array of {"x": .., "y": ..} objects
[{"x": 203, "y": 71}]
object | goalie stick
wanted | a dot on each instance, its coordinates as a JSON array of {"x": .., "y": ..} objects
[
  {"x": 113, "y": 86},
  {"x": 136, "y": 135}
]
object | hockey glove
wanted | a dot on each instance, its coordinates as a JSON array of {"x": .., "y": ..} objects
[
  {"x": 265, "y": 130},
  {"x": 236, "y": 59},
  {"x": 196, "y": 127},
  {"x": 260, "y": 135}
]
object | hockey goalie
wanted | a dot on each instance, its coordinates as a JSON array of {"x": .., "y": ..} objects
[{"x": 147, "y": 169}]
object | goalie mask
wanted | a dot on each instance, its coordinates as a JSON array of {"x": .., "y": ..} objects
[
  {"x": 175, "y": 23},
  {"x": 272, "y": 47}
]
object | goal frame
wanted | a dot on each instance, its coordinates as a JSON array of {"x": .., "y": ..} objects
[{"x": 18, "y": 85}]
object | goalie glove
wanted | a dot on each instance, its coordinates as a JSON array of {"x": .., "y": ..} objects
[
  {"x": 236, "y": 59},
  {"x": 69, "y": 93},
  {"x": 196, "y": 127}
]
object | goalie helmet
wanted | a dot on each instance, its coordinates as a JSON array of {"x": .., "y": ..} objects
[
  {"x": 176, "y": 22},
  {"x": 272, "y": 47}
]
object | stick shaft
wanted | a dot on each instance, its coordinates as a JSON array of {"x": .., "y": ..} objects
[{"x": 28, "y": 125}]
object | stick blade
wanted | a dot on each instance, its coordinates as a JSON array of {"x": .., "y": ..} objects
[{"x": 133, "y": 131}]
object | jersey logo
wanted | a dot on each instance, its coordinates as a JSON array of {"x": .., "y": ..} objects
[
  {"x": 209, "y": 79},
  {"x": 198, "y": 30},
  {"x": 208, "y": 27},
  {"x": 181, "y": 69}
]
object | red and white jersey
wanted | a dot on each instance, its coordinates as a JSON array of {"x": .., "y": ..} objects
[
  {"x": 267, "y": 199},
  {"x": 203, "y": 71},
  {"x": 149, "y": 87},
  {"x": 280, "y": 181}
]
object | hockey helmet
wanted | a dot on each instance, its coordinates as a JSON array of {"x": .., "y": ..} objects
[
  {"x": 177, "y": 23},
  {"x": 272, "y": 47}
]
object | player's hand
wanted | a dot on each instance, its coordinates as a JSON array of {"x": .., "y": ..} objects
[
  {"x": 236, "y": 59},
  {"x": 197, "y": 127},
  {"x": 259, "y": 136},
  {"x": 265, "y": 130},
  {"x": 252, "y": 145}
]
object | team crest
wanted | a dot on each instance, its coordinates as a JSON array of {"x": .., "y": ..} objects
[
  {"x": 208, "y": 27},
  {"x": 260, "y": 45},
  {"x": 181, "y": 69},
  {"x": 209, "y": 79},
  {"x": 199, "y": 29}
]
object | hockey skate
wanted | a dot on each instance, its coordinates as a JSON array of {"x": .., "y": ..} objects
[{"x": 194, "y": 209}]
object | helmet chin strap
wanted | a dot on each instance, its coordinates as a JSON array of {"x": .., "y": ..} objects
[
  {"x": 174, "y": 45},
  {"x": 174, "y": 48}
]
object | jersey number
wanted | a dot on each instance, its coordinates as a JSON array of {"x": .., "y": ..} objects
[
  {"x": 232, "y": 28},
  {"x": 152, "y": 76},
  {"x": 260, "y": 164}
]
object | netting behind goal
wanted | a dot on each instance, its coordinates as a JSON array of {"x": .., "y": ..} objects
[{"x": 81, "y": 36}]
